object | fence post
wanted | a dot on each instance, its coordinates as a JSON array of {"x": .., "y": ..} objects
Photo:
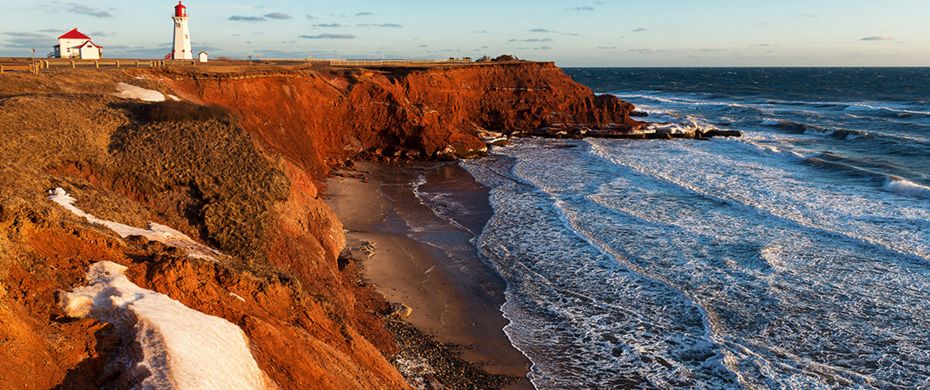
[
  {"x": 1, "y": 69},
  {"x": 73, "y": 66},
  {"x": 97, "y": 64},
  {"x": 117, "y": 64}
]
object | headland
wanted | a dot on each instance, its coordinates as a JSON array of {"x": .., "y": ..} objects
[{"x": 235, "y": 157}]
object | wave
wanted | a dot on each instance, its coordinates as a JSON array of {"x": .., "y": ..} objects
[
  {"x": 790, "y": 125},
  {"x": 697, "y": 101},
  {"x": 885, "y": 110},
  {"x": 871, "y": 110},
  {"x": 439, "y": 204},
  {"x": 907, "y": 187},
  {"x": 689, "y": 124},
  {"x": 842, "y": 134}
]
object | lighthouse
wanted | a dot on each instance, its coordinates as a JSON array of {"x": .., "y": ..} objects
[{"x": 182, "y": 35}]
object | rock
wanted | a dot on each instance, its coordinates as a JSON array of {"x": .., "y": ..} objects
[
  {"x": 639, "y": 114},
  {"x": 723, "y": 133},
  {"x": 340, "y": 114},
  {"x": 447, "y": 154},
  {"x": 400, "y": 310}
]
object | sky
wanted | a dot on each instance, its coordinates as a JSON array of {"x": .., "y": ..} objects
[{"x": 570, "y": 32}]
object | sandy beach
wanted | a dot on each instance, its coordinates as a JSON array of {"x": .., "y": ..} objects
[{"x": 424, "y": 256}]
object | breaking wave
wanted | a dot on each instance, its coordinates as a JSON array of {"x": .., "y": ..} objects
[{"x": 907, "y": 187}]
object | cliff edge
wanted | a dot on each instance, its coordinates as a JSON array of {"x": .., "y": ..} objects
[{"x": 233, "y": 167}]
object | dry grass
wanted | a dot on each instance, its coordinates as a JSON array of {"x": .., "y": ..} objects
[
  {"x": 181, "y": 164},
  {"x": 202, "y": 154}
]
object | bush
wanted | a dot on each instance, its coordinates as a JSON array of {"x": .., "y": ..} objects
[
  {"x": 171, "y": 111},
  {"x": 506, "y": 58}
]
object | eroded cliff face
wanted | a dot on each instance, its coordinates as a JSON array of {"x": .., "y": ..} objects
[
  {"x": 244, "y": 182},
  {"x": 318, "y": 119}
]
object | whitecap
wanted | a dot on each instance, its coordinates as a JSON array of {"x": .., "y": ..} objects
[{"x": 906, "y": 187}]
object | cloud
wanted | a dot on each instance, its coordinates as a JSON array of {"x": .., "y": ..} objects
[
  {"x": 606, "y": 48},
  {"x": 311, "y": 17},
  {"x": 640, "y": 29},
  {"x": 423, "y": 46},
  {"x": 329, "y": 36},
  {"x": 278, "y": 16},
  {"x": 581, "y": 9},
  {"x": 81, "y": 9},
  {"x": 542, "y": 30},
  {"x": 101, "y": 34},
  {"x": 646, "y": 51},
  {"x": 571, "y": 34},
  {"x": 52, "y": 31},
  {"x": 328, "y": 25},
  {"x": 543, "y": 47},
  {"x": 878, "y": 38},
  {"x": 26, "y": 40},
  {"x": 480, "y": 32},
  {"x": 248, "y": 19},
  {"x": 532, "y": 40},
  {"x": 384, "y": 25},
  {"x": 366, "y": 13}
]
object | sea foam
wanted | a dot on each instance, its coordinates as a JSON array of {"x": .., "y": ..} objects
[{"x": 907, "y": 187}]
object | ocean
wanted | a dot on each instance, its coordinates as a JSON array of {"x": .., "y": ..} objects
[{"x": 797, "y": 256}]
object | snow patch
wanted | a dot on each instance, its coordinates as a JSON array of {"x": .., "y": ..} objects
[
  {"x": 155, "y": 232},
  {"x": 128, "y": 91},
  {"x": 181, "y": 348}
]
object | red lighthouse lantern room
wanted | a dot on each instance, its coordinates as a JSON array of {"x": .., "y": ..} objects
[{"x": 180, "y": 10}]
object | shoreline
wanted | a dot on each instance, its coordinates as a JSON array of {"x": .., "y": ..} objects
[{"x": 424, "y": 256}]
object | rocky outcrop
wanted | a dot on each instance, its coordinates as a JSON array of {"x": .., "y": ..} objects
[{"x": 319, "y": 119}]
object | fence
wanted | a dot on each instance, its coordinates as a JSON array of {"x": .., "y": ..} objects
[
  {"x": 397, "y": 62},
  {"x": 41, "y": 65},
  {"x": 26, "y": 68},
  {"x": 74, "y": 64}
]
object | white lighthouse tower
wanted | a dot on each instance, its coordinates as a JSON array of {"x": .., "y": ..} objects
[{"x": 182, "y": 35}]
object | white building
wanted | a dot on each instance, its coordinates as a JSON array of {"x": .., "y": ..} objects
[
  {"x": 204, "y": 57},
  {"x": 76, "y": 45},
  {"x": 182, "y": 36}
]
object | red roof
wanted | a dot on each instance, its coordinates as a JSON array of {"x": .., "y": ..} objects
[
  {"x": 74, "y": 34},
  {"x": 92, "y": 43},
  {"x": 180, "y": 10}
]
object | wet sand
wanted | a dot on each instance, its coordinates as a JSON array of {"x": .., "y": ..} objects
[{"x": 425, "y": 258}]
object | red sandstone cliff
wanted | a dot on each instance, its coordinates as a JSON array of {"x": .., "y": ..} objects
[
  {"x": 244, "y": 183},
  {"x": 316, "y": 120}
]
